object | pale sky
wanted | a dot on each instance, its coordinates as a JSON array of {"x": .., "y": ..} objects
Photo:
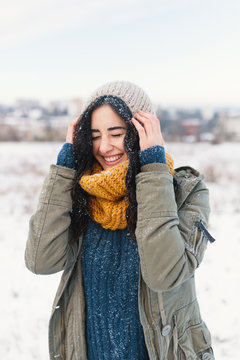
[{"x": 182, "y": 52}]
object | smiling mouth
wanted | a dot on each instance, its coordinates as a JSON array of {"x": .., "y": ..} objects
[{"x": 112, "y": 158}]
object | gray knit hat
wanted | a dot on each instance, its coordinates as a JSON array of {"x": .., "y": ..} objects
[{"x": 135, "y": 98}]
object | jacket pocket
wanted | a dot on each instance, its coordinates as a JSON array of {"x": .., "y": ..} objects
[
  {"x": 196, "y": 242},
  {"x": 195, "y": 343}
]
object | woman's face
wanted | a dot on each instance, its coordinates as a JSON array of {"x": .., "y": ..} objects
[{"x": 108, "y": 132}]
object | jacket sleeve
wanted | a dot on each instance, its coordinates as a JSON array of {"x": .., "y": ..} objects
[
  {"x": 170, "y": 244},
  {"x": 48, "y": 250}
]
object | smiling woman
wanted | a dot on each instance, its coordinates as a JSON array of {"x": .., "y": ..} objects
[
  {"x": 108, "y": 131},
  {"x": 124, "y": 227}
]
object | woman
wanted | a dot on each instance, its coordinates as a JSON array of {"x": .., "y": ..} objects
[{"x": 128, "y": 231}]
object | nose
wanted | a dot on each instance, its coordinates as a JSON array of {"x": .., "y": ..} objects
[{"x": 105, "y": 146}]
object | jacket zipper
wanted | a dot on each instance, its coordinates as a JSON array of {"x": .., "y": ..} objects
[
  {"x": 201, "y": 227},
  {"x": 150, "y": 321},
  {"x": 62, "y": 329}
]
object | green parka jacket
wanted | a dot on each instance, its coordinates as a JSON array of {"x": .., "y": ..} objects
[{"x": 171, "y": 247}]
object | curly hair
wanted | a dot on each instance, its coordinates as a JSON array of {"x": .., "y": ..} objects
[{"x": 83, "y": 158}]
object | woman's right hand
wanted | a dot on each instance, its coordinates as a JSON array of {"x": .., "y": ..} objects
[{"x": 70, "y": 130}]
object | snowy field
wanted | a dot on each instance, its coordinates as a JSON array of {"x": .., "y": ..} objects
[{"x": 26, "y": 298}]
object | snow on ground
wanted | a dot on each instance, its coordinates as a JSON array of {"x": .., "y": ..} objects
[{"x": 26, "y": 298}]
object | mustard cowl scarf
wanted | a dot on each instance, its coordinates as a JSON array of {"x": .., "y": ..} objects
[{"x": 108, "y": 193}]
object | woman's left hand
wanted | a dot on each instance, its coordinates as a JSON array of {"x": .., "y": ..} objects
[{"x": 148, "y": 128}]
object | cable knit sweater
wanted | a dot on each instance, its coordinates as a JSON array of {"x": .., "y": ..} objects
[{"x": 110, "y": 269}]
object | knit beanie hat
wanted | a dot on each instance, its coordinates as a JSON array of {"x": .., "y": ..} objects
[{"x": 134, "y": 97}]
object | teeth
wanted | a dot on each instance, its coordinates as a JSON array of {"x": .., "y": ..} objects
[{"x": 112, "y": 158}]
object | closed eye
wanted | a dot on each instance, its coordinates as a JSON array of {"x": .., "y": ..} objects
[{"x": 114, "y": 135}]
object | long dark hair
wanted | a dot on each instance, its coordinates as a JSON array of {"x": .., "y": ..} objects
[{"x": 83, "y": 159}]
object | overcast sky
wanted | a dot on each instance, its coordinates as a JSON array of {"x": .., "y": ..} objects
[{"x": 182, "y": 52}]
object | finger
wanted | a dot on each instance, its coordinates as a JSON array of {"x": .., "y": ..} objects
[
  {"x": 72, "y": 122},
  {"x": 156, "y": 126},
  {"x": 138, "y": 126},
  {"x": 155, "y": 133},
  {"x": 144, "y": 119},
  {"x": 140, "y": 129},
  {"x": 147, "y": 122},
  {"x": 149, "y": 115},
  {"x": 75, "y": 121}
]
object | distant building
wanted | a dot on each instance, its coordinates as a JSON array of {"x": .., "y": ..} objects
[
  {"x": 190, "y": 128},
  {"x": 27, "y": 104},
  {"x": 57, "y": 108},
  {"x": 229, "y": 126},
  {"x": 207, "y": 113}
]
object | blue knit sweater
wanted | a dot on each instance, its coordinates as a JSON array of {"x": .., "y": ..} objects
[{"x": 110, "y": 270}]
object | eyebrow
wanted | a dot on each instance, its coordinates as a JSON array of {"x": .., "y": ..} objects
[{"x": 111, "y": 128}]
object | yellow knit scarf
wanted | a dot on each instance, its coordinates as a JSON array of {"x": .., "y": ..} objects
[
  {"x": 108, "y": 193},
  {"x": 108, "y": 200}
]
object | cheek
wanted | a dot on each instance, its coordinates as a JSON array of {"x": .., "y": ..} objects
[
  {"x": 120, "y": 145},
  {"x": 123, "y": 149},
  {"x": 94, "y": 148}
]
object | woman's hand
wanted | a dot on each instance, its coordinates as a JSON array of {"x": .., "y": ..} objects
[
  {"x": 148, "y": 128},
  {"x": 70, "y": 130}
]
